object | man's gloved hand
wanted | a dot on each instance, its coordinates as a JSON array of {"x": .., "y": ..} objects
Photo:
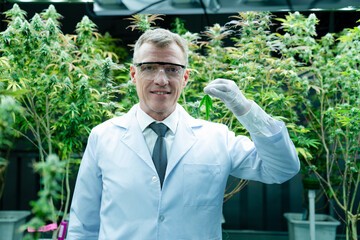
[{"x": 228, "y": 92}]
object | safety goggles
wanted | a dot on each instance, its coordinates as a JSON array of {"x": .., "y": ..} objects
[{"x": 152, "y": 69}]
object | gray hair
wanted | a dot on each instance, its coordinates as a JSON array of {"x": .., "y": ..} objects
[{"x": 161, "y": 38}]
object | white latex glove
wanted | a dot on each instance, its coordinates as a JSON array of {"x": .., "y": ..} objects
[{"x": 228, "y": 92}]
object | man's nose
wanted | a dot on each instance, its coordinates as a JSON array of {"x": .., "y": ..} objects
[{"x": 161, "y": 78}]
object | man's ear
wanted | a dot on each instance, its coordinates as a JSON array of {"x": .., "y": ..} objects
[
  {"x": 132, "y": 74},
  {"x": 186, "y": 77}
]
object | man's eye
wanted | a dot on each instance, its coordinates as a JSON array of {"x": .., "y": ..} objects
[
  {"x": 148, "y": 68},
  {"x": 172, "y": 69}
]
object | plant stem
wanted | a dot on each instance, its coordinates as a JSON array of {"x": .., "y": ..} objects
[
  {"x": 353, "y": 227},
  {"x": 184, "y": 100},
  {"x": 67, "y": 189},
  {"x": 47, "y": 129}
]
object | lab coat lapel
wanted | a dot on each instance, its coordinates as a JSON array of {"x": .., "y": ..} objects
[
  {"x": 184, "y": 139},
  {"x": 134, "y": 137}
]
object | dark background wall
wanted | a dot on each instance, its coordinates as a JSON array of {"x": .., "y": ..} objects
[{"x": 256, "y": 207}]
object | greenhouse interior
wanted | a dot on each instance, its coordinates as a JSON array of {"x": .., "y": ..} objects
[{"x": 260, "y": 100}]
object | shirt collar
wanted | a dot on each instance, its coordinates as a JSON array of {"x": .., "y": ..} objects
[{"x": 145, "y": 120}]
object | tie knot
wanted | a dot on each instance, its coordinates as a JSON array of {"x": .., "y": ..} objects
[{"x": 159, "y": 128}]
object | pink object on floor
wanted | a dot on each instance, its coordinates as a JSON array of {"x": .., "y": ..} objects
[{"x": 46, "y": 228}]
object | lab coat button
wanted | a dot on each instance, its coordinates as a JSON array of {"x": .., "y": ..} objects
[
  {"x": 161, "y": 218},
  {"x": 154, "y": 179}
]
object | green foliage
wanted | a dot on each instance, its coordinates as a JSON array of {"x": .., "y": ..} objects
[
  {"x": 67, "y": 85},
  {"x": 9, "y": 108},
  {"x": 60, "y": 72},
  {"x": 52, "y": 170},
  {"x": 52, "y": 14},
  {"x": 178, "y": 26},
  {"x": 9, "y": 111},
  {"x": 208, "y": 105},
  {"x": 330, "y": 108},
  {"x": 143, "y": 22},
  {"x": 15, "y": 12}
]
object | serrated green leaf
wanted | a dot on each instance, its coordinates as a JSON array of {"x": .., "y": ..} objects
[{"x": 208, "y": 105}]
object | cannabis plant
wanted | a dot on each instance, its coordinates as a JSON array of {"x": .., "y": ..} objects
[
  {"x": 330, "y": 108},
  {"x": 68, "y": 87}
]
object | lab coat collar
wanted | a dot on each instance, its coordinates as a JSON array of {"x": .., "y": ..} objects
[
  {"x": 183, "y": 141},
  {"x": 128, "y": 119}
]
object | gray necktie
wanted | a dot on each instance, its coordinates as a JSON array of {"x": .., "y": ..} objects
[{"x": 159, "y": 153}]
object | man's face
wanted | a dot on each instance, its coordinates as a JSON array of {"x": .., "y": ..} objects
[{"x": 159, "y": 86}]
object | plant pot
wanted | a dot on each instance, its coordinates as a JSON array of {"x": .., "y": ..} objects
[
  {"x": 325, "y": 227},
  {"x": 10, "y": 221}
]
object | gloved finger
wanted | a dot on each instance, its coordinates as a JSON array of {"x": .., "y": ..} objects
[
  {"x": 222, "y": 84},
  {"x": 222, "y": 80},
  {"x": 219, "y": 87},
  {"x": 218, "y": 93}
]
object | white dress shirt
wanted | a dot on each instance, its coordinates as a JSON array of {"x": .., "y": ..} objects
[{"x": 150, "y": 136}]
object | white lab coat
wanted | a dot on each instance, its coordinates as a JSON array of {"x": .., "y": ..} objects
[{"x": 118, "y": 195}]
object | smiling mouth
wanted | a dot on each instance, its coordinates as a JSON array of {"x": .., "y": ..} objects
[{"x": 160, "y": 93}]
